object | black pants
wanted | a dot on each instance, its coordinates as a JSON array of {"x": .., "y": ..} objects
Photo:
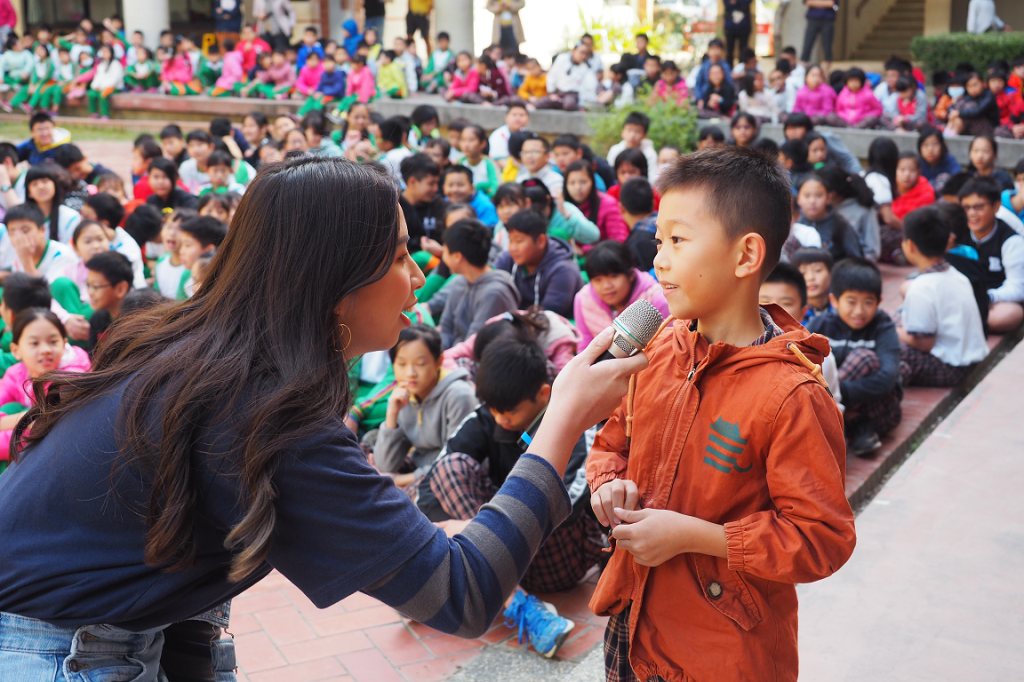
[
  {"x": 827, "y": 29},
  {"x": 738, "y": 38}
]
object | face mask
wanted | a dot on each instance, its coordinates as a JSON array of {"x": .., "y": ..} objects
[{"x": 955, "y": 91}]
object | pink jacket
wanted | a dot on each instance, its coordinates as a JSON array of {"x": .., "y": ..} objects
[
  {"x": 177, "y": 69},
  {"x": 592, "y": 315},
  {"x": 362, "y": 84},
  {"x": 465, "y": 85},
  {"x": 609, "y": 219},
  {"x": 309, "y": 79},
  {"x": 818, "y": 102},
  {"x": 279, "y": 76},
  {"x": 854, "y": 107},
  {"x": 232, "y": 72},
  {"x": 559, "y": 342},
  {"x": 16, "y": 386},
  {"x": 677, "y": 92}
]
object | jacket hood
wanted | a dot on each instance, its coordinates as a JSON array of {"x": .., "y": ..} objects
[
  {"x": 796, "y": 346},
  {"x": 447, "y": 379},
  {"x": 558, "y": 250},
  {"x": 351, "y": 26}
]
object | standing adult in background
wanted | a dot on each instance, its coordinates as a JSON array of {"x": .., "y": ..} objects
[
  {"x": 508, "y": 29},
  {"x": 821, "y": 20},
  {"x": 982, "y": 18},
  {"x": 737, "y": 27},
  {"x": 373, "y": 13},
  {"x": 279, "y": 18},
  {"x": 228, "y": 17}
]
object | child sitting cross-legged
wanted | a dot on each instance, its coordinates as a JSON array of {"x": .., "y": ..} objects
[
  {"x": 39, "y": 342},
  {"x": 615, "y": 283},
  {"x": 197, "y": 236},
  {"x": 108, "y": 281},
  {"x": 425, "y": 408},
  {"x": 867, "y": 349},
  {"x": 815, "y": 264},
  {"x": 939, "y": 326},
  {"x": 722, "y": 475},
  {"x": 513, "y": 386},
  {"x": 479, "y": 292}
]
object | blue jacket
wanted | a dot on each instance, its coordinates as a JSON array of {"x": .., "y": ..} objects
[
  {"x": 702, "y": 86},
  {"x": 553, "y": 284},
  {"x": 485, "y": 210},
  {"x": 333, "y": 84},
  {"x": 878, "y": 336},
  {"x": 303, "y": 53}
]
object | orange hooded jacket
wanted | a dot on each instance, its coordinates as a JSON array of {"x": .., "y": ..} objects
[{"x": 748, "y": 438}]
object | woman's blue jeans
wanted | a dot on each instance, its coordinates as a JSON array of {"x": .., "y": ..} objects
[{"x": 34, "y": 651}]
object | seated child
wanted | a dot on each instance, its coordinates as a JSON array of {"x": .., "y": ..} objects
[
  {"x": 912, "y": 189},
  {"x": 424, "y": 126},
  {"x": 232, "y": 74},
  {"x": 438, "y": 150},
  {"x": 144, "y": 74},
  {"x": 670, "y": 87},
  {"x": 70, "y": 290},
  {"x": 34, "y": 253},
  {"x": 108, "y": 281},
  {"x": 983, "y": 154},
  {"x": 535, "y": 85},
  {"x": 21, "y": 292},
  {"x": 999, "y": 246},
  {"x": 856, "y": 104},
  {"x": 107, "y": 211},
  {"x": 391, "y": 76},
  {"x": 457, "y": 185},
  {"x": 636, "y": 202},
  {"x": 937, "y": 164},
  {"x": 542, "y": 266},
  {"x": 465, "y": 80},
  {"x": 614, "y": 284},
  {"x": 817, "y": 99},
  {"x": 598, "y": 207},
  {"x": 196, "y": 236},
  {"x": 536, "y": 156},
  {"x": 710, "y": 136},
  {"x": 565, "y": 221},
  {"x": 514, "y": 388},
  {"x": 222, "y": 176},
  {"x": 940, "y": 328},
  {"x": 726, "y": 527},
  {"x": 39, "y": 342},
  {"x": 836, "y": 234},
  {"x": 41, "y": 81},
  {"x": 479, "y": 292},
  {"x": 330, "y": 88},
  {"x": 432, "y": 79},
  {"x": 787, "y": 288},
  {"x": 634, "y": 136},
  {"x": 976, "y": 113},
  {"x": 1013, "y": 199},
  {"x": 867, "y": 350},
  {"x": 277, "y": 81},
  {"x": 169, "y": 273},
  {"x": 309, "y": 76},
  {"x": 425, "y": 408},
  {"x": 473, "y": 143},
  {"x": 911, "y": 105},
  {"x": 853, "y": 200},
  {"x": 815, "y": 264}
]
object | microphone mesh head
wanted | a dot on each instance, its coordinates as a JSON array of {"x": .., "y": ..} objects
[{"x": 641, "y": 321}]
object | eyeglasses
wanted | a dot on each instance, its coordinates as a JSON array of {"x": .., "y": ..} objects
[
  {"x": 975, "y": 208},
  {"x": 532, "y": 152},
  {"x": 97, "y": 287}
]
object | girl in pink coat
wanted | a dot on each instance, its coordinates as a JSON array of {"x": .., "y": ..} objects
[
  {"x": 465, "y": 80},
  {"x": 857, "y": 105},
  {"x": 361, "y": 84},
  {"x": 817, "y": 99},
  {"x": 597, "y": 207},
  {"x": 232, "y": 75},
  {"x": 309, "y": 75}
]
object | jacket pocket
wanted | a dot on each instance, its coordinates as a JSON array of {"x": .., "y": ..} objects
[{"x": 726, "y": 590}]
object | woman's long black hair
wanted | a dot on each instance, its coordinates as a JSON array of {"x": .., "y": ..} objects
[
  {"x": 48, "y": 171},
  {"x": 257, "y": 348},
  {"x": 592, "y": 202},
  {"x": 883, "y": 157}
]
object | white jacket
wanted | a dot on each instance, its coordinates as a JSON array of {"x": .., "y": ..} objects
[
  {"x": 981, "y": 17},
  {"x": 647, "y": 147},
  {"x": 565, "y": 76},
  {"x": 109, "y": 75}
]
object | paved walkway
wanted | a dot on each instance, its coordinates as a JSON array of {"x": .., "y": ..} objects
[{"x": 934, "y": 589}]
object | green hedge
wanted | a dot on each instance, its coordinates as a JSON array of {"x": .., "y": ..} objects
[
  {"x": 945, "y": 51},
  {"x": 671, "y": 124}
]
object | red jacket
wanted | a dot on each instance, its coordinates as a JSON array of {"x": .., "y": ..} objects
[
  {"x": 745, "y": 437},
  {"x": 922, "y": 194}
]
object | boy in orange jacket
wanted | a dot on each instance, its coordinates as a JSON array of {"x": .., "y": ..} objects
[{"x": 726, "y": 487}]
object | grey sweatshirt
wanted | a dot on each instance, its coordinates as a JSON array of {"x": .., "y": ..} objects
[
  {"x": 470, "y": 305},
  {"x": 425, "y": 427}
]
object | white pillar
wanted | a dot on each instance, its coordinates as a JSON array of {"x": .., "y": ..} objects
[
  {"x": 455, "y": 17},
  {"x": 151, "y": 17}
]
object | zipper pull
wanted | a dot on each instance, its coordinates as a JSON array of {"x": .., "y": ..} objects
[{"x": 690, "y": 375}]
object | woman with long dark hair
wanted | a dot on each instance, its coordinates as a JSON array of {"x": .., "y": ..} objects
[{"x": 206, "y": 448}]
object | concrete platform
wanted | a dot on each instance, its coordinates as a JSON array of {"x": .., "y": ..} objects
[{"x": 934, "y": 589}]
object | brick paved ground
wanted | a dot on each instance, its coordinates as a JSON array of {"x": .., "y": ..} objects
[{"x": 282, "y": 637}]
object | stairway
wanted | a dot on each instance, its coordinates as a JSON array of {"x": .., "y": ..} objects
[{"x": 893, "y": 32}]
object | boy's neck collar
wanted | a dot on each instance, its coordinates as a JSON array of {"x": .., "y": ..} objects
[{"x": 736, "y": 324}]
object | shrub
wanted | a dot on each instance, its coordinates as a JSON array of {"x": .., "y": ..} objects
[
  {"x": 670, "y": 124},
  {"x": 945, "y": 51}
]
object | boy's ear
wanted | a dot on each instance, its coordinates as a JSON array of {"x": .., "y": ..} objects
[
  {"x": 121, "y": 289},
  {"x": 803, "y": 312},
  {"x": 542, "y": 241},
  {"x": 750, "y": 252},
  {"x": 543, "y": 394},
  {"x": 832, "y": 299}
]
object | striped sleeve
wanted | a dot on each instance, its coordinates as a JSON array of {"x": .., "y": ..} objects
[{"x": 458, "y": 585}]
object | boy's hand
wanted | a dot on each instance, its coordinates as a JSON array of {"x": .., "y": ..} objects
[
  {"x": 653, "y": 536},
  {"x": 617, "y": 494},
  {"x": 77, "y": 328}
]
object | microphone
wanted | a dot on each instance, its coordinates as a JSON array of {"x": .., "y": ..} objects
[{"x": 634, "y": 329}]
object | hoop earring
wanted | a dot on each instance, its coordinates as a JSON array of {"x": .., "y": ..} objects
[{"x": 345, "y": 328}]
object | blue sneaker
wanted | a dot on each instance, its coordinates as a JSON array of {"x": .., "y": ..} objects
[{"x": 546, "y": 629}]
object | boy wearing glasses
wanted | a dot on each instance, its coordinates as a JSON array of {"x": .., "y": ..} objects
[
  {"x": 536, "y": 154},
  {"x": 108, "y": 281}
]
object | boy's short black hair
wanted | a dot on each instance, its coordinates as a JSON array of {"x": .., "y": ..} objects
[
  {"x": 745, "y": 190},
  {"x": 609, "y": 258},
  {"x": 812, "y": 254},
  {"x": 443, "y": 35},
  {"x": 634, "y": 157},
  {"x": 112, "y": 265},
  {"x": 107, "y": 208},
  {"x": 8, "y": 151},
  {"x": 786, "y": 273},
  {"x": 855, "y": 73},
  {"x": 220, "y": 126},
  {"x": 985, "y": 188},
  {"x": 530, "y": 222},
  {"x": 637, "y": 196},
  {"x": 530, "y": 136},
  {"x": 511, "y": 370},
  {"x": 716, "y": 42},
  {"x": 458, "y": 124},
  {"x": 954, "y": 184},
  {"x": 430, "y": 337},
  {"x": 928, "y": 231},
  {"x": 856, "y": 274},
  {"x": 423, "y": 114},
  {"x": 144, "y": 223},
  {"x": 39, "y": 117},
  {"x": 955, "y": 216},
  {"x": 457, "y": 168},
  {"x": 517, "y": 104},
  {"x": 903, "y": 84},
  {"x": 206, "y": 230},
  {"x": 22, "y": 291},
  {"x": 446, "y": 147},
  {"x": 393, "y": 129},
  {"x": 219, "y": 158},
  {"x": 471, "y": 238},
  {"x": 171, "y": 130},
  {"x": 390, "y": 54},
  {"x": 568, "y": 140},
  {"x": 767, "y": 146},
  {"x": 67, "y": 155},
  {"x": 149, "y": 149},
  {"x": 25, "y": 212},
  {"x": 799, "y": 119},
  {"x": 637, "y": 118},
  {"x": 199, "y": 136},
  {"x": 713, "y": 132},
  {"x": 419, "y": 166}
]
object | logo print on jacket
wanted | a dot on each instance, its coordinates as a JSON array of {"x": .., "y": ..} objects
[{"x": 724, "y": 438}]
